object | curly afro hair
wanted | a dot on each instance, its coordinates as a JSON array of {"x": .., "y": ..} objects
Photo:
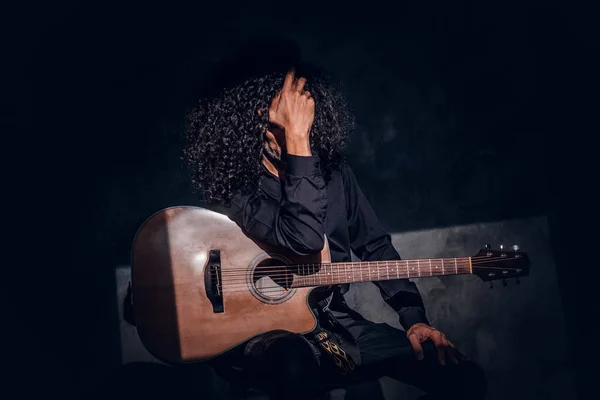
[{"x": 226, "y": 134}]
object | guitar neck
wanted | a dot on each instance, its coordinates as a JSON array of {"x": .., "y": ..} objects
[{"x": 348, "y": 272}]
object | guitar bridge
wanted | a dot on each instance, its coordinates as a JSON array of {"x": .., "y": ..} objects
[{"x": 213, "y": 282}]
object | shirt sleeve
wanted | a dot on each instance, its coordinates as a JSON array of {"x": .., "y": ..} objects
[
  {"x": 370, "y": 242},
  {"x": 296, "y": 221}
]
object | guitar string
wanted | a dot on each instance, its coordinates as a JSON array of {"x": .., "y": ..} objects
[
  {"x": 236, "y": 285},
  {"x": 292, "y": 284},
  {"x": 333, "y": 276},
  {"x": 381, "y": 274},
  {"x": 440, "y": 261},
  {"x": 402, "y": 271},
  {"x": 378, "y": 265},
  {"x": 337, "y": 275},
  {"x": 306, "y": 271}
]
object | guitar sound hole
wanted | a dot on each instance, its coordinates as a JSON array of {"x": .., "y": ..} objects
[{"x": 272, "y": 279}]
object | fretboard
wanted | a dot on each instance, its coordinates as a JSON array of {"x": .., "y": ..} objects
[{"x": 348, "y": 272}]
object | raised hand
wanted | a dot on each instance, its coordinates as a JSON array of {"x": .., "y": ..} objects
[{"x": 293, "y": 110}]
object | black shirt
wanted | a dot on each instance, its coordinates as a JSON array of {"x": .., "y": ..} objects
[{"x": 297, "y": 210}]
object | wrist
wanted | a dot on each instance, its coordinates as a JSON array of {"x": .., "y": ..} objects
[{"x": 298, "y": 147}]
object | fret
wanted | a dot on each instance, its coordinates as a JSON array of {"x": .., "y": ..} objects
[
  {"x": 419, "y": 267},
  {"x": 430, "y": 271},
  {"x": 455, "y": 266},
  {"x": 307, "y": 275},
  {"x": 377, "y": 266},
  {"x": 335, "y": 276},
  {"x": 346, "y": 271},
  {"x": 387, "y": 267},
  {"x": 407, "y": 268},
  {"x": 397, "y": 263},
  {"x": 443, "y": 272},
  {"x": 361, "y": 271}
]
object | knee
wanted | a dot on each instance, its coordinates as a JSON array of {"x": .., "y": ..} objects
[
  {"x": 292, "y": 359},
  {"x": 289, "y": 360}
]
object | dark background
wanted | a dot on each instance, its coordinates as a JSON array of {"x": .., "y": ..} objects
[{"x": 467, "y": 112}]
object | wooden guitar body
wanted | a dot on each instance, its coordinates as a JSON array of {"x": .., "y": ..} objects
[{"x": 200, "y": 286}]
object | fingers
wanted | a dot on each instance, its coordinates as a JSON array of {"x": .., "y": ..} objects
[
  {"x": 275, "y": 102},
  {"x": 451, "y": 350},
  {"x": 274, "y": 107},
  {"x": 416, "y": 346},
  {"x": 300, "y": 84},
  {"x": 288, "y": 83},
  {"x": 291, "y": 83},
  {"x": 438, "y": 341}
]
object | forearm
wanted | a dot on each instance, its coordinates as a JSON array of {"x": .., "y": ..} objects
[
  {"x": 294, "y": 218},
  {"x": 404, "y": 297},
  {"x": 301, "y": 222},
  {"x": 371, "y": 242},
  {"x": 400, "y": 294}
]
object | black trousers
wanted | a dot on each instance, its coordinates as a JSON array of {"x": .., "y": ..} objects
[{"x": 292, "y": 366}]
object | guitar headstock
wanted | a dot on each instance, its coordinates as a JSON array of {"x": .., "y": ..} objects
[{"x": 491, "y": 265}]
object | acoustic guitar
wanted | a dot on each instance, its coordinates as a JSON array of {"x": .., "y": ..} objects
[{"x": 200, "y": 286}]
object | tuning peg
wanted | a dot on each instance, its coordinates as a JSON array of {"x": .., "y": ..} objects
[
  {"x": 501, "y": 247},
  {"x": 491, "y": 284},
  {"x": 515, "y": 247},
  {"x": 487, "y": 247}
]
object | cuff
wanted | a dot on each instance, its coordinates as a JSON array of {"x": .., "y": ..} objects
[
  {"x": 303, "y": 165},
  {"x": 412, "y": 315}
]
